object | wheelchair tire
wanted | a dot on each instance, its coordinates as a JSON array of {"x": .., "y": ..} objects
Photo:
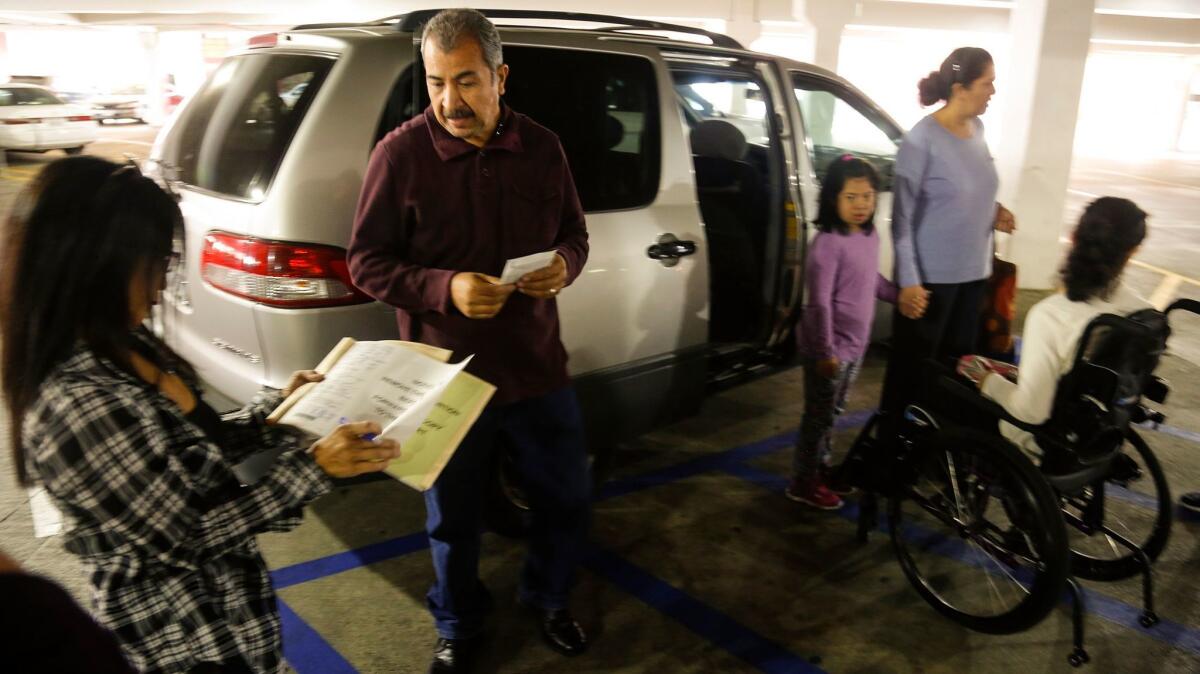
[
  {"x": 1143, "y": 515},
  {"x": 990, "y": 554}
]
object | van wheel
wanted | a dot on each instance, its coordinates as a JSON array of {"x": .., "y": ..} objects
[{"x": 506, "y": 509}]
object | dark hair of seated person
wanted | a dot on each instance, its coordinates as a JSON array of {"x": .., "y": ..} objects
[
  {"x": 72, "y": 245},
  {"x": 1108, "y": 232}
]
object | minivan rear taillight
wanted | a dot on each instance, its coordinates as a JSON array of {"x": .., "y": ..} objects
[{"x": 277, "y": 273}]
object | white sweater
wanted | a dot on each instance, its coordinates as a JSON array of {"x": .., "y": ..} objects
[{"x": 1048, "y": 344}]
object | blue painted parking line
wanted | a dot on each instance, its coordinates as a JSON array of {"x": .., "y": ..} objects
[
  {"x": 1172, "y": 430},
  {"x": 304, "y": 648},
  {"x": 712, "y": 625},
  {"x": 1115, "y": 611},
  {"x": 746, "y": 645},
  {"x": 350, "y": 559},
  {"x": 718, "y": 461}
]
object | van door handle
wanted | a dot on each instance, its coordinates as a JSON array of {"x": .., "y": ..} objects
[{"x": 669, "y": 249}]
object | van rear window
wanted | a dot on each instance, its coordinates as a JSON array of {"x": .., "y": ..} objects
[{"x": 235, "y": 132}]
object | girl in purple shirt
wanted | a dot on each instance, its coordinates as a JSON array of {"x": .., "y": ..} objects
[{"x": 843, "y": 282}]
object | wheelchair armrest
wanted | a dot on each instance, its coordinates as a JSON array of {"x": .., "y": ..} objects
[
  {"x": 973, "y": 397},
  {"x": 1185, "y": 304}
]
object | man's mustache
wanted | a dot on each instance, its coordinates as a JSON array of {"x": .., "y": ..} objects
[{"x": 460, "y": 113}]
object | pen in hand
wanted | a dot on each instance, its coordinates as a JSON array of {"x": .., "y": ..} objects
[{"x": 365, "y": 436}]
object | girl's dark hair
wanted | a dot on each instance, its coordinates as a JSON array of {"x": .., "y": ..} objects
[
  {"x": 1108, "y": 231},
  {"x": 963, "y": 66},
  {"x": 75, "y": 239},
  {"x": 840, "y": 170}
]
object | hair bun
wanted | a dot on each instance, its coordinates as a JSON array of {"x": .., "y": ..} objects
[{"x": 931, "y": 88}]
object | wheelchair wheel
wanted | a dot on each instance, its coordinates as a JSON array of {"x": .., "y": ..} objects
[
  {"x": 978, "y": 532},
  {"x": 1135, "y": 502}
]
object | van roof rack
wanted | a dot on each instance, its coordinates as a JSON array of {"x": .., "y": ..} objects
[
  {"x": 326, "y": 26},
  {"x": 413, "y": 21}
]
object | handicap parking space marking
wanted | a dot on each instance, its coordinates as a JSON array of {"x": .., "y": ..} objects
[
  {"x": 709, "y": 623},
  {"x": 348, "y": 560},
  {"x": 305, "y": 649},
  {"x": 1176, "y": 635},
  {"x": 311, "y": 658}
]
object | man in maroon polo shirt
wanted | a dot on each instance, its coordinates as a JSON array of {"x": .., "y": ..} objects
[{"x": 447, "y": 198}]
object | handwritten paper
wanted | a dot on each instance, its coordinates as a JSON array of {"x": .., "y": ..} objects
[{"x": 517, "y": 267}]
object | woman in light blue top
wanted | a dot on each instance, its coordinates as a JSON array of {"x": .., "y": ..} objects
[{"x": 943, "y": 217}]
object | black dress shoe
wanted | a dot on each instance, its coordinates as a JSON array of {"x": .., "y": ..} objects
[
  {"x": 561, "y": 632},
  {"x": 454, "y": 656}
]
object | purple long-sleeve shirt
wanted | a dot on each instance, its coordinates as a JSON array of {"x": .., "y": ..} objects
[
  {"x": 842, "y": 275},
  {"x": 433, "y": 205}
]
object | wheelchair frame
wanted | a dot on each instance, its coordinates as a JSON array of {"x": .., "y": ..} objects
[{"x": 917, "y": 428}]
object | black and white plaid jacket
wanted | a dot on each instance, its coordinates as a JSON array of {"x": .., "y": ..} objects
[{"x": 159, "y": 519}]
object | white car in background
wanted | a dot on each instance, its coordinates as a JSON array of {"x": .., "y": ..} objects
[
  {"x": 128, "y": 103},
  {"x": 33, "y": 119}
]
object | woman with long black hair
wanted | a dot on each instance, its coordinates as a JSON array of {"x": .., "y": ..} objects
[
  {"x": 1108, "y": 234},
  {"x": 108, "y": 419}
]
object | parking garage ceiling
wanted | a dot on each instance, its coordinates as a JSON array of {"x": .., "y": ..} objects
[{"x": 1176, "y": 21}]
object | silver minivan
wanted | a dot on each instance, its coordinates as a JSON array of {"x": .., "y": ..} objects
[{"x": 697, "y": 163}]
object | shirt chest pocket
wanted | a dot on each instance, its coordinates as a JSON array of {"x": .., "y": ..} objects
[{"x": 533, "y": 219}]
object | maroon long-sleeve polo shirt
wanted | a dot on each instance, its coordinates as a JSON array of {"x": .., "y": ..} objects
[{"x": 433, "y": 205}]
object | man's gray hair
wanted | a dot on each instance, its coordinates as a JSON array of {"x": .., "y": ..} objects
[{"x": 449, "y": 26}]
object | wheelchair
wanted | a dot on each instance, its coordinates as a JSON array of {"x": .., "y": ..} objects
[{"x": 991, "y": 539}]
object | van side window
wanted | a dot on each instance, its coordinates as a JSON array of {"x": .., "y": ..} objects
[
  {"x": 839, "y": 123},
  {"x": 604, "y": 108},
  {"x": 232, "y": 137}
]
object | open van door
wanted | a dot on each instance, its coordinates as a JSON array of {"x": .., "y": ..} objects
[{"x": 735, "y": 113}]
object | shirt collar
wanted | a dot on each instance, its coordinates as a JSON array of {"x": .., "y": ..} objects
[{"x": 505, "y": 137}]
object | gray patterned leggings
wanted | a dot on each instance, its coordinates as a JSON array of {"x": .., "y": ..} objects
[{"x": 824, "y": 400}]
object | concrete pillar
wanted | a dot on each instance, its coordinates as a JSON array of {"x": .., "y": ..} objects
[
  {"x": 743, "y": 24},
  {"x": 155, "y": 76},
  {"x": 4, "y": 74},
  {"x": 828, "y": 19},
  {"x": 1042, "y": 85}
]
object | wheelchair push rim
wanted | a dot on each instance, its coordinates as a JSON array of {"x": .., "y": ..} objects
[
  {"x": 1134, "y": 502},
  {"x": 978, "y": 532}
]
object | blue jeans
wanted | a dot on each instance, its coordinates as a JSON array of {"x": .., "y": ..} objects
[{"x": 546, "y": 435}]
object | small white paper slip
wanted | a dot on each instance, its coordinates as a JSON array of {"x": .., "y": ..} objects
[
  {"x": 517, "y": 267},
  {"x": 47, "y": 520}
]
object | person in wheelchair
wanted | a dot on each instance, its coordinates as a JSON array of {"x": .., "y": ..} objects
[
  {"x": 1040, "y": 479},
  {"x": 1109, "y": 232}
]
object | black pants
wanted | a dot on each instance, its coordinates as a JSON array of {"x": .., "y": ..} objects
[{"x": 946, "y": 331}]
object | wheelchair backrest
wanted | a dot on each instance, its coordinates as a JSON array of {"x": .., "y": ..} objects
[{"x": 1093, "y": 403}]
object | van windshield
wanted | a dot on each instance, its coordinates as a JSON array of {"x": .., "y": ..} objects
[{"x": 233, "y": 136}]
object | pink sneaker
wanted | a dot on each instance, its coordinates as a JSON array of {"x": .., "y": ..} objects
[{"x": 813, "y": 494}]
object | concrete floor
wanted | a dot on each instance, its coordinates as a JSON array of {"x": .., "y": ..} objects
[{"x": 698, "y": 563}]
